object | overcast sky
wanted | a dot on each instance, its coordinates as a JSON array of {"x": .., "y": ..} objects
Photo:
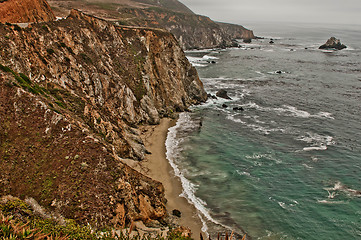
[{"x": 309, "y": 11}]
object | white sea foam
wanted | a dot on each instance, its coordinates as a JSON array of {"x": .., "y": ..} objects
[
  {"x": 330, "y": 202},
  {"x": 243, "y": 173},
  {"x": 199, "y": 50},
  {"x": 255, "y": 127},
  {"x": 307, "y": 166},
  {"x": 290, "y": 111},
  {"x": 323, "y": 147},
  {"x": 318, "y": 142},
  {"x": 201, "y": 61},
  {"x": 199, "y": 65},
  {"x": 339, "y": 187},
  {"x": 208, "y": 57},
  {"x": 173, "y": 149}
]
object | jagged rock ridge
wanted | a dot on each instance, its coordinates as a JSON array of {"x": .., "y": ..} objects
[
  {"x": 24, "y": 11},
  {"x": 69, "y": 105},
  {"x": 333, "y": 43}
]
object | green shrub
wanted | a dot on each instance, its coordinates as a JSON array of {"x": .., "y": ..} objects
[
  {"x": 26, "y": 78},
  {"x": 5, "y": 68}
]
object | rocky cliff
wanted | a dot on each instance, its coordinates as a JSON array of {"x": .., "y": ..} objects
[
  {"x": 191, "y": 30},
  {"x": 24, "y": 11},
  {"x": 72, "y": 93}
]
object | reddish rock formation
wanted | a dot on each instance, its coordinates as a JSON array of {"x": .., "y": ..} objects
[{"x": 24, "y": 11}]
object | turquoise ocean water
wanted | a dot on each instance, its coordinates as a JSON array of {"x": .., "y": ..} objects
[{"x": 289, "y": 165}]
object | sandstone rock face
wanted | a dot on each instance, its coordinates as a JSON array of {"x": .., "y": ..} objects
[
  {"x": 24, "y": 11},
  {"x": 71, "y": 95},
  {"x": 333, "y": 43}
]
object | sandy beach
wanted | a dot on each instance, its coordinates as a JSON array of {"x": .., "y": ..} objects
[{"x": 157, "y": 167}]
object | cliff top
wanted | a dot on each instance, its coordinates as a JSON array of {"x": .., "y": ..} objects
[{"x": 109, "y": 9}]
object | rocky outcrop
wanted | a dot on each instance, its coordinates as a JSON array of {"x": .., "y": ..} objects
[
  {"x": 72, "y": 93},
  {"x": 333, "y": 43},
  {"x": 24, "y": 11}
]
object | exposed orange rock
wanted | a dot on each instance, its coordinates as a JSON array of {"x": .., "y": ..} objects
[{"x": 24, "y": 11}]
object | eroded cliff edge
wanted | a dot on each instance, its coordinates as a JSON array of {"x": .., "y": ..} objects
[{"x": 71, "y": 95}]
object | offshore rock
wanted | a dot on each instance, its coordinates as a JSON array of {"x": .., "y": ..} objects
[
  {"x": 24, "y": 11},
  {"x": 72, "y": 93},
  {"x": 333, "y": 43},
  {"x": 222, "y": 94}
]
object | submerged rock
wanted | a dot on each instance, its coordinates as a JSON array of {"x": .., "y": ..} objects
[{"x": 333, "y": 43}]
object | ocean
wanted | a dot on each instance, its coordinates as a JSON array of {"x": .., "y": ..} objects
[{"x": 289, "y": 165}]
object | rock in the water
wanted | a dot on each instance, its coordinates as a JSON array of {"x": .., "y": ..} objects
[
  {"x": 222, "y": 94},
  {"x": 333, "y": 43},
  {"x": 279, "y": 72},
  {"x": 176, "y": 213},
  {"x": 211, "y": 96},
  {"x": 224, "y": 105},
  {"x": 238, "y": 109},
  {"x": 271, "y": 42},
  {"x": 247, "y": 40}
]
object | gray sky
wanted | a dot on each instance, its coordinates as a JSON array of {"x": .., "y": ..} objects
[{"x": 308, "y": 11}]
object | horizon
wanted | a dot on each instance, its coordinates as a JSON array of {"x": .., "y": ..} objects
[{"x": 279, "y": 11}]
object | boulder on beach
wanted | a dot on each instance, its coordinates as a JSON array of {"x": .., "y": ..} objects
[
  {"x": 176, "y": 213},
  {"x": 222, "y": 94},
  {"x": 333, "y": 43}
]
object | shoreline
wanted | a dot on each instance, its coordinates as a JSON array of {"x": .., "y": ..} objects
[{"x": 157, "y": 167}]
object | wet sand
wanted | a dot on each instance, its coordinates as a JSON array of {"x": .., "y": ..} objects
[{"x": 158, "y": 168}]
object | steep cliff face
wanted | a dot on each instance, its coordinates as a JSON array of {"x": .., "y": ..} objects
[
  {"x": 71, "y": 95},
  {"x": 191, "y": 30},
  {"x": 23, "y": 11}
]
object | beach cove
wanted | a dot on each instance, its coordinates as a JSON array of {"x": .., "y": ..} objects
[{"x": 157, "y": 167}]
